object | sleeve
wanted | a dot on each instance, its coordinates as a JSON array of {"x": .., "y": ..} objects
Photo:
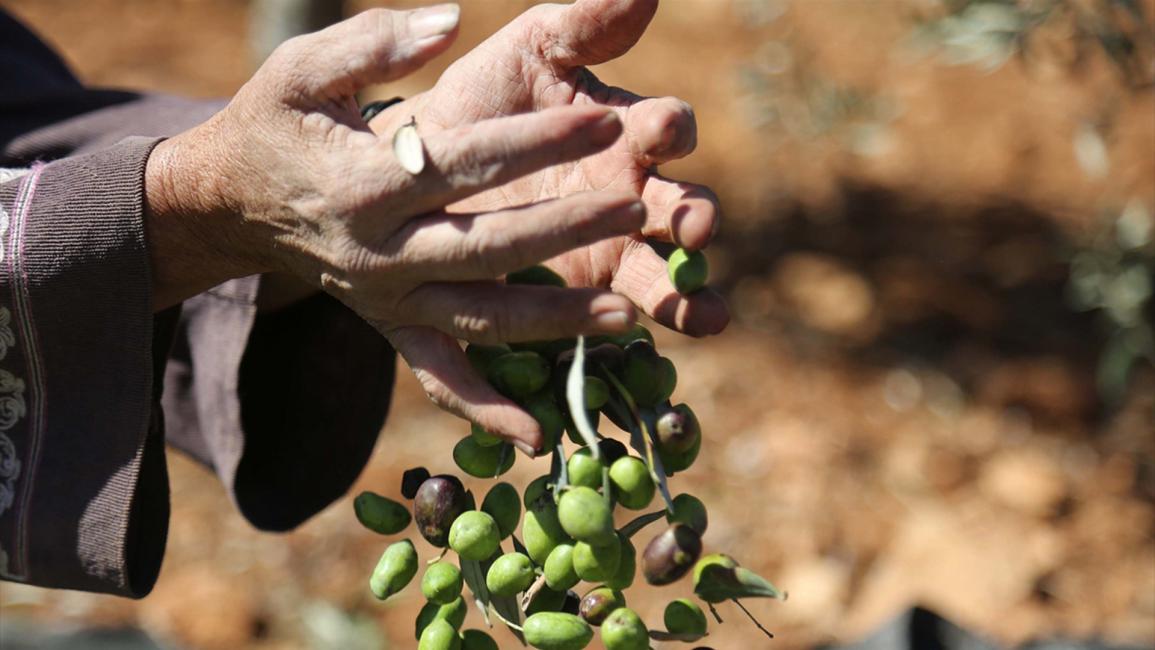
[
  {"x": 83, "y": 490},
  {"x": 285, "y": 406}
]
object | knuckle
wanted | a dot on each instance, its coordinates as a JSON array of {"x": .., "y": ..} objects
[
  {"x": 467, "y": 166},
  {"x": 482, "y": 321}
]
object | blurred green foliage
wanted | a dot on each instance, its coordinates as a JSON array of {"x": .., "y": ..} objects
[
  {"x": 988, "y": 33},
  {"x": 1113, "y": 277}
]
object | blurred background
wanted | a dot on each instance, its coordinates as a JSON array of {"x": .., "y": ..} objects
[{"x": 939, "y": 386}]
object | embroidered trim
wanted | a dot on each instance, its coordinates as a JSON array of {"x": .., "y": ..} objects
[
  {"x": 13, "y": 406},
  {"x": 11, "y": 402}
]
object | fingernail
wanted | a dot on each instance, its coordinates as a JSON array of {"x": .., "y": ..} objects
[
  {"x": 612, "y": 321},
  {"x": 606, "y": 129},
  {"x": 434, "y": 21},
  {"x": 525, "y": 448}
]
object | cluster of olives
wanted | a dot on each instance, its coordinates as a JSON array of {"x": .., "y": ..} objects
[{"x": 566, "y": 517}]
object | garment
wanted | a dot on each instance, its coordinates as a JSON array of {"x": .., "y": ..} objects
[{"x": 284, "y": 406}]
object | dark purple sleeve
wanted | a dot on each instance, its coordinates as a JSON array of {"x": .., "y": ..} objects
[{"x": 284, "y": 406}]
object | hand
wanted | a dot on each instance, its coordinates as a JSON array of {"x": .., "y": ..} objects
[
  {"x": 289, "y": 178},
  {"x": 537, "y": 63}
]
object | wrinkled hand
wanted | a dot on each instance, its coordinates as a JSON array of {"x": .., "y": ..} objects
[
  {"x": 537, "y": 63},
  {"x": 320, "y": 196}
]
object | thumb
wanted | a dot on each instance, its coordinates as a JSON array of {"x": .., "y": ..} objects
[
  {"x": 450, "y": 381},
  {"x": 372, "y": 47}
]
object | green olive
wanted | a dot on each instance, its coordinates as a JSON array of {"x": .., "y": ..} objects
[
  {"x": 474, "y": 535},
  {"x": 397, "y": 566},
  {"x": 688, "y": 270},
  {"x": 380, "y": 514},
  {"x": 441, "y": 583},
  {"x": 595, "y": 392},
  {"x": 557, "y": 631},
  {"x": 597, "y": 563},
  {"x": 483, "y": 462},
  {"x": 560, "y": 574},
  {"x": 439, "y": 635},
  {"x": 541, "y": 531},
  {"x": 453, "y": 613},
  {"x": 509, "y": 574},
  {"x": 624, "y": 630},
  {"x": 633, "y": 486},
  {"x": 586, "y": 516},
  {"x": 584, "y": 470},
  {"x": 683, "y": 616}
]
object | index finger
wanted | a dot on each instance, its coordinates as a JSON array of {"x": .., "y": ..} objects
[{"x": 469, "y": 159}]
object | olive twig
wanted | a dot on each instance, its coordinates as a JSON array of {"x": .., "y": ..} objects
[
  {"x": 717, "y": 616},
  {"x": 751, "y": 617},
  {"x": 527, "y": 597}
]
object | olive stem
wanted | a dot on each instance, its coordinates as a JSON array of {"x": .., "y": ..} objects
[
  {"x": 717, "y": 616},
  {"x": 742, "y": 607},
  {"x": 439, "y": 557},
  {"x": 508, "y": 623},
  {"x": 531, "y": 592}
]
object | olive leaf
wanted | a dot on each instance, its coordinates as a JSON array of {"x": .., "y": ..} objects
[
  {"x": 575, "y": 398},
  {"x": 475, "y": 579},
  {"x": 640, "y": 522},
  {"x": 641, "y": 436},
  {"x": 558, "y": 471},
  {"x": 716, "y": 583},
  {"x": 505, "y": 608}
]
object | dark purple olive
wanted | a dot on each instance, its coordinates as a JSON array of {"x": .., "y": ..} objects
[
  {"x": 411, "y": 480},
  {"x": 436, "y": 505},
  {"x": 599, "y": 603},
  {"x": 670, "y": 555},
  {"x": 678, "y": 430}
]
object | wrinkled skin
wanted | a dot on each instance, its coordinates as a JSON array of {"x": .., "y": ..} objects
[
  {"x": 538, "y": 62},
  {"x": 289, "y": 181}
]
